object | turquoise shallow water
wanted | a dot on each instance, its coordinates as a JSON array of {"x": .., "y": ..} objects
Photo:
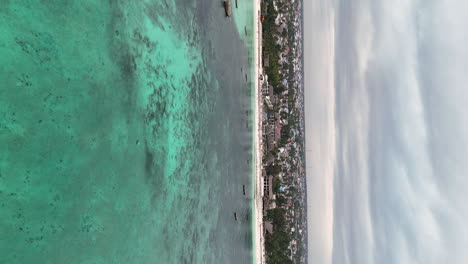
[{"x": 126, "y": 133}]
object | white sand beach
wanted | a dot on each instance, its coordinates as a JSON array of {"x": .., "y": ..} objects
[{"x": 258, "y": 224}]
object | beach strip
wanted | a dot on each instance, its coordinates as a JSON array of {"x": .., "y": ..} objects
[{"x": 258, "y": 224}]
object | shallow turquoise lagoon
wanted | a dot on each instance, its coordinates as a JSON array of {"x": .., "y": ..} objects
[{"x": 125, "y": 132}]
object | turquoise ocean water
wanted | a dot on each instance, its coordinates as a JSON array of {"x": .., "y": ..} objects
[{"x": 125, "y": 132}]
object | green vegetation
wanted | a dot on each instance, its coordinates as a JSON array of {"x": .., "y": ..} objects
[
  {"x": 276, "y": 244},
  {"x": 273, "y": 169},
  {"x": 276, "y": 184},
  {"x": 270, "y": 48}
]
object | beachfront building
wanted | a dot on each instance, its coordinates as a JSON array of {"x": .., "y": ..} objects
[{"x": 268, "y": 188}]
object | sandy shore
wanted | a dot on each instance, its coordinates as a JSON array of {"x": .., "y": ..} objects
[{"x": 258, "y": 225}]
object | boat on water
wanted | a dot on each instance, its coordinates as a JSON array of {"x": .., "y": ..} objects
[
  {"x": 227, "y": 8},
  {"x": 235, "y": 216},
  {"x": 243, "y": 189}
]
